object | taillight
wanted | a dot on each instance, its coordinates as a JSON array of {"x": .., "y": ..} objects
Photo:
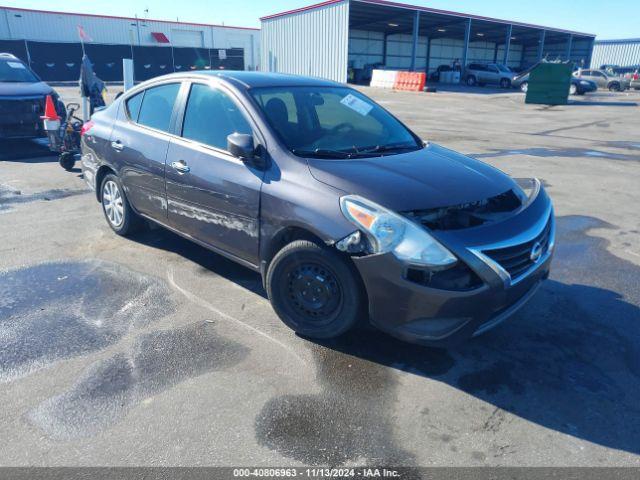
[{"x": 86, "y": 127}]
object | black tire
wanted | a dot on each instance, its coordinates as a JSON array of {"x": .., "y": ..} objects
[
  {"x": 524, "y": 87},
  {"x": 67, "y": 161},
  {"x": 314, "y": 290},
  {"x": 130, "y": 222},
  {"x": 614, "y": 87},
  {"x": 471, "y": 81},
  {"x": 505, "y": 83}
]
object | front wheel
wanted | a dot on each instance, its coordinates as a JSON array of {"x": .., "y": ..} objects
[
  {"x": 524, "y": 87},
  {"x": 471, "y": 80},
  {"x": 615, "y": 87},
  {"x": 573, "y": 89},
  {"x": 314, "y": 290},
  {"x": 120, "y": 217},
  {"x": 505, "y": 83}
]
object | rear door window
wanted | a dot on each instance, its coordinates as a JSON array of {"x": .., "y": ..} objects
[
  {"x": 157, "y": 106},
  {"x": 211, "y": 115}
]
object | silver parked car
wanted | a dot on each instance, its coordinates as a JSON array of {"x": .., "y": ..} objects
[
  {"x": 604, "y": 80},
  {"x": 483, "y": 74}
]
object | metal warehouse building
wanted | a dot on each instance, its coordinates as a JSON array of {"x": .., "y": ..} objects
[
  {"x": 616, "y": 52},
  {"x": 326, "y": 39},
  {"x": 49, "y": 41}
]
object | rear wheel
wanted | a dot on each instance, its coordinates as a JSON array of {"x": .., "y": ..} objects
[
  {"x": 314, "y": 290},
  {"x": 67, "y": 161},
  {"x": 471, "y": 80},
  {"x": 615, "y": 87},
  {"x": 505, "y": 83},
  {"x": 120, "y": 217}
]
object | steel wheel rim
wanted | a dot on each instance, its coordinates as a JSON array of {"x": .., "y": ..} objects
[
  {"x": 113, "y": 203},
  {"x": 324, "y": 297}
]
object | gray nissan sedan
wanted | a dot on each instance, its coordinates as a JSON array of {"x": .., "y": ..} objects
[{"x": 344, "y": 211}]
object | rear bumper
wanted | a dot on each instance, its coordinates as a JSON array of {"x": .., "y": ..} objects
[{"x": 420, "y": 314}]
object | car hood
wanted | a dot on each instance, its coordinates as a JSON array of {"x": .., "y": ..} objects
[
  {"x": 432, "y": 177},
  {"x": 24, "y": 89}
]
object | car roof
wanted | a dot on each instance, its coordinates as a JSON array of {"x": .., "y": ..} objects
[{"x": 249, "y": 80}]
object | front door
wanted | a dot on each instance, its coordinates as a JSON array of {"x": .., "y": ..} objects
[{"x": 212, "y": 196}]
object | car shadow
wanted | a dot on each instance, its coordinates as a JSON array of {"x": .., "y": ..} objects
[
  {"x": 208, "y": 261},
  {"x": 569, "y": 361},
  {"x": 595, "y": 103},
  {"x": 26, "y": 151},
  {"x": 461, "y": 88}
]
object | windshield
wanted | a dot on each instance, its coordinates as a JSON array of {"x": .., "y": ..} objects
[
  {"x": 15, "y": 71},
  {"x": 332, "y": 122}
]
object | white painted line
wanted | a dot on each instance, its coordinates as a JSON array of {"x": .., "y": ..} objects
[{"x": 203, "y": 303}]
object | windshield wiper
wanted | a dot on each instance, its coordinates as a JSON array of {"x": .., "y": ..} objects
[
  {"x": 387, "y": 148},
  {"x": 323, "y": 153}
]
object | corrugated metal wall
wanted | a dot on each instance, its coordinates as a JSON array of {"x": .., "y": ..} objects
[
  {"x": 616, "y": 52},
  {"x": 313, "y": 42},
  {"x": 61, "y": 27}
]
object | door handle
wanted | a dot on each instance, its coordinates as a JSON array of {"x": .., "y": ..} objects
[
  {"x": 181, "y": 166},
  {"x": 117, "y": 145}
]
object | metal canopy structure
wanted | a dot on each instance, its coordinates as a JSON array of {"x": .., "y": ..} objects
[
  {"x": 392, "y": 18},
  {"x": 402, "y": 36}
]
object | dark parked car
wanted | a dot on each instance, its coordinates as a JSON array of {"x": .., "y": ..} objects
[
  {"x": 342, "y": 209},
  {"x": 579, "y": 86},
  {"x": 435, "y": 76},
  {"x": 22, "y": 98}
]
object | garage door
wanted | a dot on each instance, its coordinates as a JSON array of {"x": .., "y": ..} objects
[{"x": 186, "y": 38}]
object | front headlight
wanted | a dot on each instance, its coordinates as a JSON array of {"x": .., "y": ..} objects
[{"x": 390, "y": 232}]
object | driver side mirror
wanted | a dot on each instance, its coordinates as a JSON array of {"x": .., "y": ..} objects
[{"x": 240, "y": 145}]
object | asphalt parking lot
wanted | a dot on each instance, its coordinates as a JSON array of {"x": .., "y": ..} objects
[{"x": 154, "y": 351}]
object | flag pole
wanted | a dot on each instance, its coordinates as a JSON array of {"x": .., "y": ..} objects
[{"x": 85, "y": 100}]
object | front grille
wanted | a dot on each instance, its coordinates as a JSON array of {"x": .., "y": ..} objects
[
  {"x": 517, "y": 259},
  {"x": 20, "y": 117},
  {"x": 21, "y": 110}
]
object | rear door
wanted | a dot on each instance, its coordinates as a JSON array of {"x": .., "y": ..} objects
[
  {"x": 139, "y": 143},
  {"x": 213, "y": 196},
  {"x": 493, "y": 74},
  {"x": 484, "y": 74}
]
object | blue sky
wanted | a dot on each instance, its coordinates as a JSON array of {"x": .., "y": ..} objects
[{"x": 605, "y": 18}]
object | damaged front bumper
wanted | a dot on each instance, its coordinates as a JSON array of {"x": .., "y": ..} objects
[{"x": 508, "y": 260}]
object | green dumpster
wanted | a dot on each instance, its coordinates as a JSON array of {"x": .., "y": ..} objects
[{"x": 549, "y": 84}]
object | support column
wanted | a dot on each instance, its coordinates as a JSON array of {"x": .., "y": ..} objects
[
  {"x": 590, "y": 53},
  {"x": 465, "y": 49},
  {"x": 426, "y": 68},
  {"x": 507, "y": 45},
  {"x": 543, "y": 35},
  {"x": 416, "y": 33},
  {"x": 384, "y": 50},
  {"x": 569, "y": 47}
]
